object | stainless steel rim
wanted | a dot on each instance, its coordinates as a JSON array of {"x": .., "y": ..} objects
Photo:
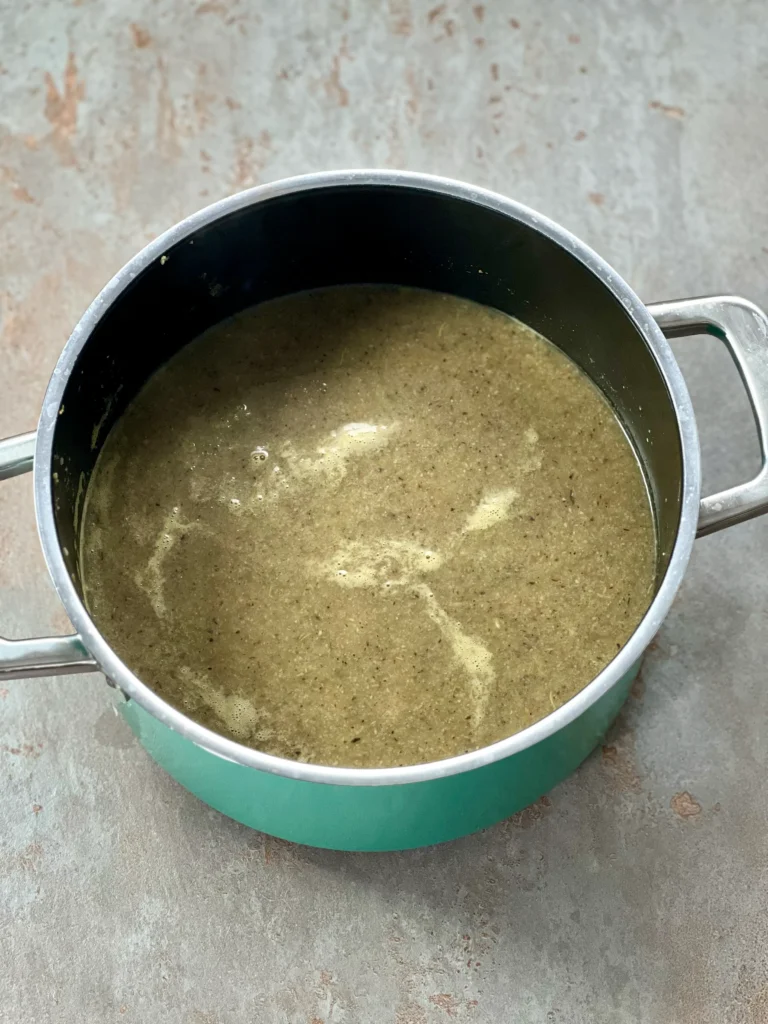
[{"x": 119, "y": 673}]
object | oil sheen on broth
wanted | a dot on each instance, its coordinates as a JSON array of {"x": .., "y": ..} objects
[{"x": 368, "y": 526}]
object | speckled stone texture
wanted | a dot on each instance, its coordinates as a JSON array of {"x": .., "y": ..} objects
[{"x": 636, "y": 892}]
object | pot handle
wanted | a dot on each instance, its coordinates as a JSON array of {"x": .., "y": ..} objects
[
  {"x": 743, "y": 327},
  {"x": 46, "y": 655}
]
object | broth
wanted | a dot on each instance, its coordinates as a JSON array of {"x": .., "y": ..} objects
[{"x": 368, "y": 526}]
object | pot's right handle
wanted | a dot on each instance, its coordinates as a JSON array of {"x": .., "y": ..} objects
[
  {"x": 45, "y": 655},
  {"x": 743, "y": 327}
]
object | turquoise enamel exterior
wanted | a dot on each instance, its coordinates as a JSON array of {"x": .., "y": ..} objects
[{"x": 378, "y": 817}]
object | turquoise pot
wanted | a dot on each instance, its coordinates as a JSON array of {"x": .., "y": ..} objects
[
  {"x": 382, "y": 817},
  {"x": 424, "y": 232}
]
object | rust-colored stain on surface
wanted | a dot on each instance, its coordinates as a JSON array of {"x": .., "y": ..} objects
[
  {"x": 450, "y": 1004},
  {"x": 676, "y": 113},
  {"x": 141, "y": 38},
  {"x": 18, "y": 191},
  {"x": 618, "y": 759},
  {"x": 23, "y": 749},
  {"x": 334, "y": 88},
  {"x": 596, "y": 198},
  {"x": 446, "y": 1002},
  {"x": 580, "y": 135},
  {"x": 166, "y": 132},
  {"x": 448, "y": 26},
  {"x": 202, "y": 97},
  {"x": 479, "y": 11},
  {"x": 530, "y": 815},
  {"x": 214, "y": 7},
  {"x": 684, "y": 805},
  {"x": 414, "y": 95},
  {"x": 402, "y": 19},
  {"x": 61, "y": 109},
  {"x": 251, "y": 156},
  {"x": 274, "y": 850},
  {"x": 637, "y": 689},
  {"x": 410, "y": 1013},
  {"x": 36, "y": 808},
  {"x": 30, "y": 857}
]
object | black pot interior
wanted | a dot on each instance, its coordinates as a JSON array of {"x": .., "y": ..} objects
[{"x": 354, "y": 234}]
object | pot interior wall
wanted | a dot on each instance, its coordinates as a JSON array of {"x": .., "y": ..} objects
[{"x": 363, "y": 233}]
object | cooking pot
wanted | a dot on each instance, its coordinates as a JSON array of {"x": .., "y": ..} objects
[{"x": 408, "y": 229}]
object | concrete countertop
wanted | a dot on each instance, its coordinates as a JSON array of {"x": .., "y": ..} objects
[{"x": 637, "y": 893}]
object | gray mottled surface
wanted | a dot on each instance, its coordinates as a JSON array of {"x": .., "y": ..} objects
[{"x": 640, "y": 126}]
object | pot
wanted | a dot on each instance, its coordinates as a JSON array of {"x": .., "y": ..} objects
[{"x": 408, "y": 229}]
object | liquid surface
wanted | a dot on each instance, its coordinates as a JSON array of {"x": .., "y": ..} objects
[{"x": 367, "y": 526}]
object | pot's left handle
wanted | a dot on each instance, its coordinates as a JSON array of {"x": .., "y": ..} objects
[{"x": 45, "y": 655}]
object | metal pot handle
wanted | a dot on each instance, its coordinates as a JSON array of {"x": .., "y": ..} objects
[
  {"x": 47, "y": 655},
  {"x": 743, "y": 327}
]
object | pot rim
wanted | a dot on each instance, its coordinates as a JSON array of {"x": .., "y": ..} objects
[{"x": 131, "y": 685}]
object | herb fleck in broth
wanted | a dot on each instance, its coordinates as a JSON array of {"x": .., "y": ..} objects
[{"x": 368, "y": 526}]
